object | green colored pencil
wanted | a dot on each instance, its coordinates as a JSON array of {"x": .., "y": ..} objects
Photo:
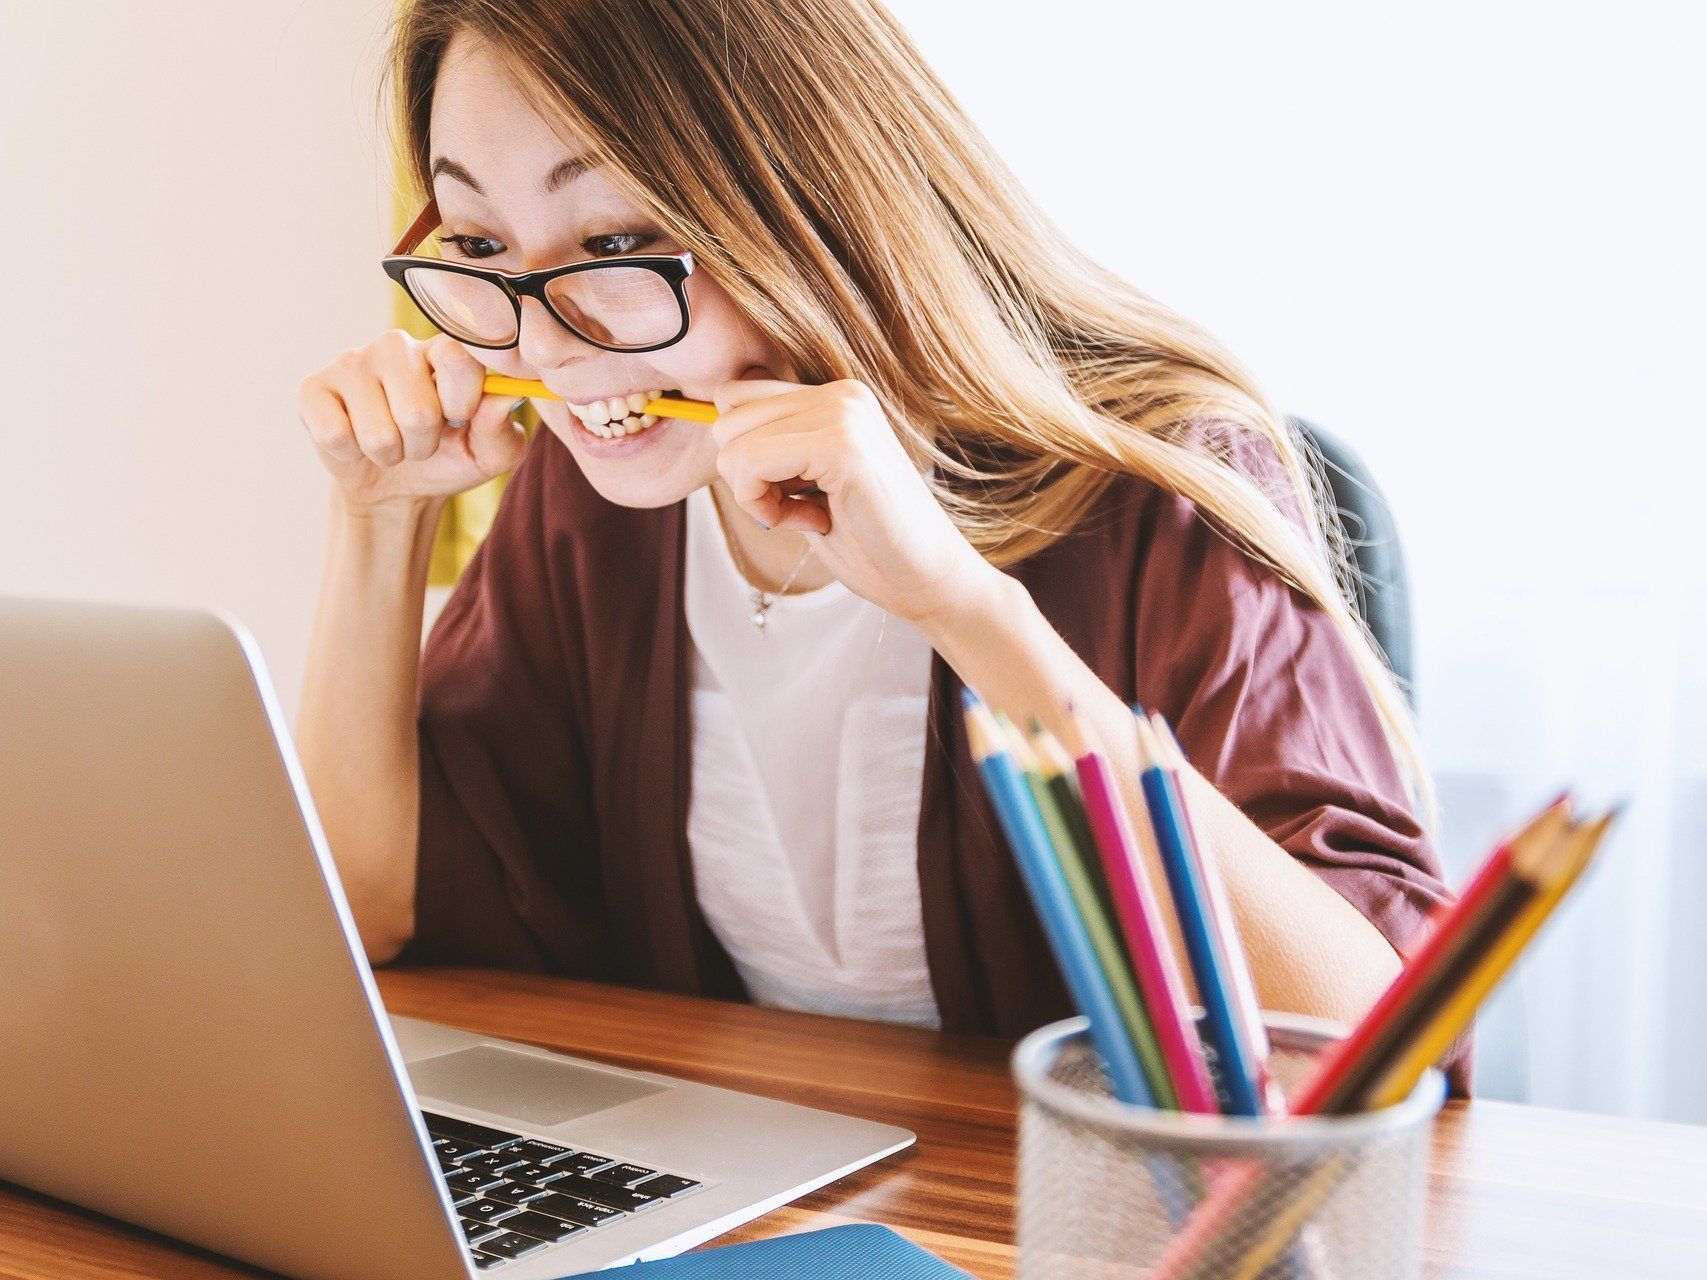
[{"x": 1076, "y": 857}]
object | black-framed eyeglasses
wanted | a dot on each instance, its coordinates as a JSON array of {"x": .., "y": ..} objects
[{"x": 623, "y": 304}]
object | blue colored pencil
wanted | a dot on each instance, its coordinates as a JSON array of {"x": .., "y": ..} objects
[
  {"x": 1016, "y": 810},
  {"x": 1238, "y": 1074},
  {"x": 1241, "y": 987}
]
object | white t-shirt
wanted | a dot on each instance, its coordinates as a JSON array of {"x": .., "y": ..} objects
[{"x": 808, "y": 756}]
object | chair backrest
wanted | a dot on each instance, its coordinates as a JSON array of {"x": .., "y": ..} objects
[{"x": 1383, "y": 593}]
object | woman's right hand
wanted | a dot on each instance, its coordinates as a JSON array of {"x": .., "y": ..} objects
[{"x": 403, "y": 419}]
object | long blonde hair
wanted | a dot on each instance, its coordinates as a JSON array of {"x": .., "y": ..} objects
[{"x": 825, "y": 177}]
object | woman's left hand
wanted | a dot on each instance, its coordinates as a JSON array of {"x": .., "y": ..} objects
[{"x": 883, "y": 534}]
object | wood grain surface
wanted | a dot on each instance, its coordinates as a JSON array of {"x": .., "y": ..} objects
[{"x": 1514, "y": 1191}]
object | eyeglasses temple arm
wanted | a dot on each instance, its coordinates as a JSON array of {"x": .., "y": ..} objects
[{"x": 425, "y": 221}]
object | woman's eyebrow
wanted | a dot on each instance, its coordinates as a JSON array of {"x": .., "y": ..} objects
[
  {"x": 451, "y": 169},
  {"x": 565, "y": 172}
]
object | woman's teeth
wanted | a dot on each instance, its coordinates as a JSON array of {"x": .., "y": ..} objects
[{"x": 619, "y": 416}]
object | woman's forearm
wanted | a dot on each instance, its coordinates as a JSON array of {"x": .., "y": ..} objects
[
  {"x": 355, "y": 728},
  {"x": 1310, "y": 950}
]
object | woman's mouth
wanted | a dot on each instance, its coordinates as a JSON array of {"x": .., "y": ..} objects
[{"x": 617, "y": 416}]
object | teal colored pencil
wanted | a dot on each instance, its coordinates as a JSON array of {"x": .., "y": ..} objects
[
  {"x": 1087, "y": 984},
  {"x": 1076, "y": 856}
]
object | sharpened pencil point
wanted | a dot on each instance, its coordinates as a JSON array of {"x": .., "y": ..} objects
[{"x": 1075, "y": 736}]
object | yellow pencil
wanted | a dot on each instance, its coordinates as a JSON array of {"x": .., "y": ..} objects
[
  {"x": 1458, "y": 1012},
  {"x": 499, "y": 384}
]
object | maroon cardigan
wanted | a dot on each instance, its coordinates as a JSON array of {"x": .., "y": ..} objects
[{"x": 554, "y": 746}]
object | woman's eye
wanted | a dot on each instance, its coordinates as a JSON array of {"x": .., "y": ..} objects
[
  {"x": 473, "y": 246},
  {"x": 615, "y": 244}
]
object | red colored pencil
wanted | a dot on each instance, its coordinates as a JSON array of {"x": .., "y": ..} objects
[
  {"x": 1323, "y": 1092},
  {"x": 1237, "y": 1189},
  {"x": 1141, "y": 921}
]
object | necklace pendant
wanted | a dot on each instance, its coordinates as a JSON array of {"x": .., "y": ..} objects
[{"x": 758, "y": 617}]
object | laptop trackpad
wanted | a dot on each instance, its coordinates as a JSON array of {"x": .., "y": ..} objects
[{"x": 535, "y": 1091}]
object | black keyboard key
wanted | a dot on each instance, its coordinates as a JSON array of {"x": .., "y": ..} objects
[
  {"x": 666, "y": 1185},
  {"x": 473, "y": 1180},
  {"x": 623, "y": 1175},
  {"x": 574, "y": 1209},
  {"x": 453, "y": 1148},
  {"x": 486, "y": 1261},
  {"x": 541, "y": 1227},
  {"x": 544, "y": 1152},
  {"x": 516, "y": 1193},
  {"x": 530, "y": 1171},
  {"x": 511, "y": 1245},
  {"x": 604, "y": 1193},
  {"x": 581, "y": 1162},
  {"x": 459, "y": 1196},
  {"x": 491, "y": 1161},
  {"x": 475, "y": 1232},
  {"x": 487, "y": 1210},
  {"x": 481, "y": 1135}
]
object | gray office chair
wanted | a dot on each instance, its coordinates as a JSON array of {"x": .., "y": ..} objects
[{"x": 1372, "y": 537}]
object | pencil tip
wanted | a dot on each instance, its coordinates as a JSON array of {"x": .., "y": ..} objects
[{"x": 968, "y": 698}]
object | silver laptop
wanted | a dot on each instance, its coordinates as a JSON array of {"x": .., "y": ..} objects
[{"x": 191, "y": 1040}]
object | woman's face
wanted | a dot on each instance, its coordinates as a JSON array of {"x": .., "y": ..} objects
[{"x": 492, "y": 156}]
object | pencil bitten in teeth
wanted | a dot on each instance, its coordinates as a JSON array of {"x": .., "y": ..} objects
[{"x": 618, "y": 416}]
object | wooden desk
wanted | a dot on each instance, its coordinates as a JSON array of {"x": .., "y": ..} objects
[{"x": 1516, "y": 1191}]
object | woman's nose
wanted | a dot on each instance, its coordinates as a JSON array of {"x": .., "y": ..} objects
[{"x": 544, "y": 342}]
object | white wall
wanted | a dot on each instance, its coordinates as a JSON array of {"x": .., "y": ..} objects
[
  {"x": 189, "y": 222},
  {"x": 1468, "y": 238},
  {"x": 1465, "y": 236}
]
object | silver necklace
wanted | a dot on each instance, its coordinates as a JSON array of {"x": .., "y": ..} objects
[{"x": 759, "y": 602}]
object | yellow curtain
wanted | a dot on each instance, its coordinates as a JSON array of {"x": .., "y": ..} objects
[{"x": 468, "y": 516}]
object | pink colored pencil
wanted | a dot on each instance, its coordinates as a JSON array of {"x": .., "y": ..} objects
[{"x": 1141, "y": 921}]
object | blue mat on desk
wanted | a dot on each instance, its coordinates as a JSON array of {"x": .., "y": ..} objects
[{"x": 857, "y": 1252}]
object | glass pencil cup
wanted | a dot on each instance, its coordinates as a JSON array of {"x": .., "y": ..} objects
[{"x": 1109, "y": 1191}]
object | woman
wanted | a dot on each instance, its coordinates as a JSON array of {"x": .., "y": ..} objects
[{"x": 690, "y": 719}]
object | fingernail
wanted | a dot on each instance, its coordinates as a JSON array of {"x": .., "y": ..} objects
[
  {"x": 518, "y": 404},
  {"x": 456, "y": 422},
  {"x": 762, "y": 525}
]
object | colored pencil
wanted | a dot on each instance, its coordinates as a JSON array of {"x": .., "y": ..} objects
[
  {"x": 1063, "y": 782},
  {"x": 501, "y": 384},
  {"x": 1349, "y": 1066},
  {"x": 1071, "y": 842},
  {"x": 1016, "y": 810},
  {"x": 1242, "y": 990},
  {"x": 1547, "y": 852},
  {"x": 1456, "y": 1014},
  {"x": 1141, "y": 920},
  {"x": 1221, "y": 1027}
]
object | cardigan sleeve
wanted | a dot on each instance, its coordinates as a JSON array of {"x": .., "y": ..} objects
[
  {"x": 507, "y": 873},
  {"x": 1270, "y": 705}
]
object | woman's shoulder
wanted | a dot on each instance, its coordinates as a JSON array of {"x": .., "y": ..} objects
[{"x": 1147, "y": 517}]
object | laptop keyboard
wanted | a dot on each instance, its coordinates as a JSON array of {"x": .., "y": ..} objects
[{"x": 516, "y": 1195}]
